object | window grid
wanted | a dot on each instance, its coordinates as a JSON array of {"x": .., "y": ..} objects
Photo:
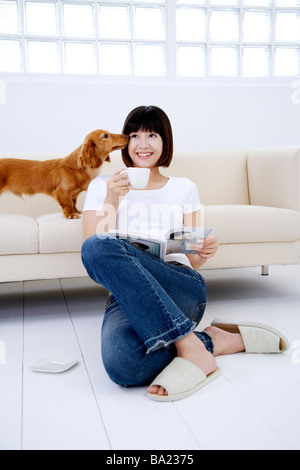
[
  {"x": 62, "y": 40},
  {"x": 273, "y": 54},
  {"x": 242, "y": 8}
]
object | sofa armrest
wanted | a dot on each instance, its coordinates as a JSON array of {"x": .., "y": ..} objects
[{"x": 274, "y": 177}]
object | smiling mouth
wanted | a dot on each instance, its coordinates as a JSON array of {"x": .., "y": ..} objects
[{"x": 144, "y": 156}]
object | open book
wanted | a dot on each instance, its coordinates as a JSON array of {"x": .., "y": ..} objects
[{"x": 176, "y": 241}]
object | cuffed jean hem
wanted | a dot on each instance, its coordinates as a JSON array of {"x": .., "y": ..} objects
[
  {"x": 206, "y": 340},
  {"x": 162, "y": 342}
]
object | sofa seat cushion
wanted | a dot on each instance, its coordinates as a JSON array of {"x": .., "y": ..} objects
[
  {"x": 252, "y": 224},
  {"x": 60, "y": 235},
  {"x": 18, "y": 235}
]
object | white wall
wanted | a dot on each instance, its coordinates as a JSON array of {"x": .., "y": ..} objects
[{"x": 52, "y": 115}]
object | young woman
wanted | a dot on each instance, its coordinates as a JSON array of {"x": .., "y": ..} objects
[{"x": 148, "y": 333}]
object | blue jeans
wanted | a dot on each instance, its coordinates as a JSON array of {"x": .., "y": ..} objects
[{"x": 151, "y": 305}]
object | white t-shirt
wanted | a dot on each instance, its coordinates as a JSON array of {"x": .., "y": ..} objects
[{"x": 150, "y": 213}]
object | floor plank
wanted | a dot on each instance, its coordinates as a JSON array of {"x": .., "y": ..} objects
[
  {"x": 270, "y": 391},
  {"x": 270, "y": 383},
  {"x": 225, "y": 420},
  {"x": 11, "y": 365},
  {"x": 60, "y": 411}
]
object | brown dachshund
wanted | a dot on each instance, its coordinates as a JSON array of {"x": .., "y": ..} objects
[{"x": 64, "y": 179}]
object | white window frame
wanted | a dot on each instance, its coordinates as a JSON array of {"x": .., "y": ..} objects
[
  {"x": 273, "y": 9},
  {"x": 61, "y": 39},
  {"x": 170, "y": 44}
]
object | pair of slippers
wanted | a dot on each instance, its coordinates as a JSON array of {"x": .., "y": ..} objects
[{"x": 181, "y": 378}]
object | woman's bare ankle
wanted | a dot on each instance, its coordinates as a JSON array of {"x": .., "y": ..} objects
[
  {"x": 193, "y": 349},
  {"x": 224, "y": 342}
]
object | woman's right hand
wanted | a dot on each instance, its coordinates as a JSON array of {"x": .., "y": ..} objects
[
  {"x": 104, "y": 220},
  {"x": 117, "y": 186}
]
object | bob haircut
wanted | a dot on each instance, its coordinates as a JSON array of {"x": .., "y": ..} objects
[{"x": 150, "y": 119}]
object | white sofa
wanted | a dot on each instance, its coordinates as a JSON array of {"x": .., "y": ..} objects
[{"x": 251, "y": 198}]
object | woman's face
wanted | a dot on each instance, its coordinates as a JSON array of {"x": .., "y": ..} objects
[{"x": 145, "y": 148}]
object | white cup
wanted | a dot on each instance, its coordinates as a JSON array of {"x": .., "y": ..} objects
[{"x": 137, "y": 177}]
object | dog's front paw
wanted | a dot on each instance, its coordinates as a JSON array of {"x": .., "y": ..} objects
[{"x": 73, "y": 216}]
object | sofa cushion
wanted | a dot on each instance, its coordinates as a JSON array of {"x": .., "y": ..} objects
[
  {"x": 18, "y": 235},
  {"x": 253, "y": 224},
  {"x": 60, "y": 235},
  {"x": 274, "y": 176},
  {"x": 33, "y": 206},
  {"x": 221, "y": 176}
]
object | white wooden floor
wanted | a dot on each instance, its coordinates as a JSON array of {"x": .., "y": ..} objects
[{"x": 255, "y": 405}]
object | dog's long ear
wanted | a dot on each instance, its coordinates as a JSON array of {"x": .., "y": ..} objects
[{"x": 89, "y": 155}]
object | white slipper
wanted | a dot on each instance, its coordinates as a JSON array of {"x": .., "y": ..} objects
[
  {"x": 258, "y": 339},
  {"x": 181, "y": 379}
]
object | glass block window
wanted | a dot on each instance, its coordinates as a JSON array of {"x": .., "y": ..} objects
[
  {"x": 9, "y": 18},
  {"x": 173, "y": 39},
  {"x": 114, "y": 22},
  {"x": 79, "y": 58},
  {"x": 224, "y": 25},
  {"x": 42, "y": 56},
  {"x": 238, "y": 38},
  {"x": 10, "y": 56},
  {"x": 287, "y": 62},
  {"x": 287, "y": 27},
  {"x": 224, "y": 61},
  {"x": 89, "y": 37},
  {"x": 191, "y": 24},
  {"x": 78, "y": 20},
  {"x": 191, "y": 61},
  {"x": 114, "y": 59},
  {"x": 149, "y": 23},
  {"x": 40, "y": 18},
  {"x": 257, "y": 27},
  {"x": 256, "y": 61},
  {"x": 150, "y": 60}
]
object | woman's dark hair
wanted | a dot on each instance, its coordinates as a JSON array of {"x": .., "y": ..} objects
[{"x": 150, "y": 119}]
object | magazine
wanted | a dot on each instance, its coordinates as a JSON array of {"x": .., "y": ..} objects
[{"x": 176, "y": 241}]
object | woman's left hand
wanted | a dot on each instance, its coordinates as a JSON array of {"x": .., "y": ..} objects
[{"x": 207, "y": 249}]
